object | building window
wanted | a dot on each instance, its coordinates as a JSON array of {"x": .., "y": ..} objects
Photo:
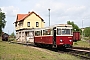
[
  {"x": 37, "y": 24},
  {"x": 28, "y": 24},
  {"x": 20, "y": 24},
  {"x": 16, "y": 25}
]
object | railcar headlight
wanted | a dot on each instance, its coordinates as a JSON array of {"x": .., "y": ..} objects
[
  {"x": 70, "y": 40},
  {"x": 61, "y": 40}
]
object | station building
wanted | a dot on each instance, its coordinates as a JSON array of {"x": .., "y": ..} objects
[{"x": 25, "y": 24}]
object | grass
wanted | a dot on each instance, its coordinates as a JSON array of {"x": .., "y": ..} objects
[
  {"x": 81, "y": 44},
  {"x": 10, "y": 51},
  {"x": 20, "y": 52}
]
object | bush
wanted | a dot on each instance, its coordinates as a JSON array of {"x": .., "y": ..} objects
[
  {"x": 87, "y": 31},
  {"x": 11, "y": 39}
]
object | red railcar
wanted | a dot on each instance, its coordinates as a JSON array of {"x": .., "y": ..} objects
[
  {"x": 76, "y": 36},
  {"x": 55, "y": 36}
]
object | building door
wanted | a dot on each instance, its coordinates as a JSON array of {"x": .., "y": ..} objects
[{"x": 31, "y": 35}]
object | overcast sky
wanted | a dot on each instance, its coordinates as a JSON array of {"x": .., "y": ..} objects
[{"x": 61, "y": 11}]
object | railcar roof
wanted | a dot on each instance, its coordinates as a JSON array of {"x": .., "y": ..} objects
[
  {"x": 51, "y": 27},
  {"x": 59, "y": 25}
]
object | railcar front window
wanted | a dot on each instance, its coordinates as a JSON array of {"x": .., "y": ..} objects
[
  {"x": 65, "y": 31},
  {"x": 58, "y": 31}
]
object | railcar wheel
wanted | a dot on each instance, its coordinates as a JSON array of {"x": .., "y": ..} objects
[
  {"x": 35, "y": 44},
  {"x": 61, "y": 48}
]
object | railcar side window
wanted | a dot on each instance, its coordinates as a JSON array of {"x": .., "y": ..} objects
[
  {"x": 65, "y": 31},
  {"x": 41, "y": 32},
  {"x": 44, "y": 32},
  {"x": 37, "y": 33},
  {"x": 58, "y": 31},
  {"x": 48, "y": 32}
]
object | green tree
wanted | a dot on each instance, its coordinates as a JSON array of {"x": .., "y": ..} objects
[
  {"x": 12, "y": 35},
  {"x": 87, "y": 32},
  {"x": 2, "y": 21},
  {"x": 75, "y": 27}
]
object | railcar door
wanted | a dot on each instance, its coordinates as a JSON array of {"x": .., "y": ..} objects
[{"x": 54, "y": 37}]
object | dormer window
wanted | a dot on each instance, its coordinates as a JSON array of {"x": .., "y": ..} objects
[
  {"x": 37, "y": 24},
  {"x": 28, "y": 24}
]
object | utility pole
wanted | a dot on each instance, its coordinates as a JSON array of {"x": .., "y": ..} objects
[
  {"x": 49, "y": 16},
  {"x": 82, "y": 29},
  {"x": 8, "y": 32}
]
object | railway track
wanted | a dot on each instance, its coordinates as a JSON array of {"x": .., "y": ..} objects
[
  {"x": 80, "y": 53},
  {"x": 83, "y": 54},
  {"x": 81, "y": 48}
]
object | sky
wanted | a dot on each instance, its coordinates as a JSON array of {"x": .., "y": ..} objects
[{"x": 61, "y": 11}]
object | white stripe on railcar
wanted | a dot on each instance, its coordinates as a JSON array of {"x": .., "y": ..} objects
[{"x": 64, "y": 35}]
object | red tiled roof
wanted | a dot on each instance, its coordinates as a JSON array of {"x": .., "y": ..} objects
[{"x": 21, "y": 17}]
